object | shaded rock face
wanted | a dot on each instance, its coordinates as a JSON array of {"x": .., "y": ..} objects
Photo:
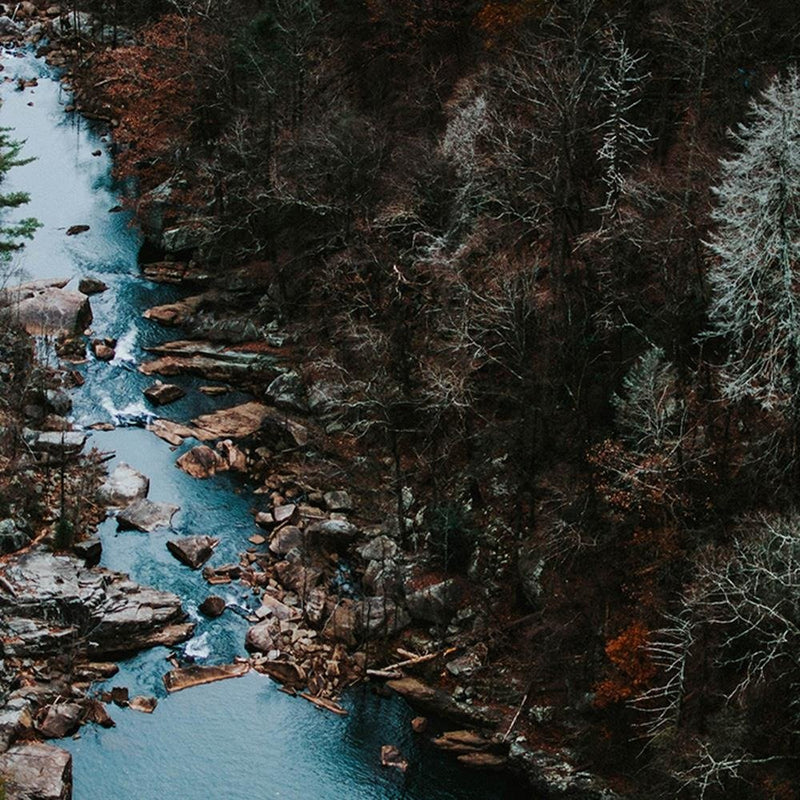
[
  {"x": 11, "y": 537},
  {"x": 436, "y": 603},
  {"x": 193, "y": 551},
  {"x": 58, "y": 602},
  {"x": 123, "y": 486},
  {"x": 37, "y": 771},
  {"x": 145, "y": 515}
]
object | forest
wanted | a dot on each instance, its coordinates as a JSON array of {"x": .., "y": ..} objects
[{"x": 545, "y": 257}]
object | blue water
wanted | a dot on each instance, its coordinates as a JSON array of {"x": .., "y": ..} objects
[{"x": 240, "y": 739}]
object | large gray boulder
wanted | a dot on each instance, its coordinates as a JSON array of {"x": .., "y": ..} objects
[
  {"x": 193, "y": 551},
  {"x": 59, "y": 444},
  {"x": 146, "y": 515},
  {"x": 52, "y": 311},
  {"x": 36, "y": 771},
  {"x": 123, "y": 486}
]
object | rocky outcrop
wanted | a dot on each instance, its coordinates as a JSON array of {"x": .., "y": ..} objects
[
  {"x": 210, "y": 361},
  {"x": 49, "y": 602},
  {"x": 36, "y": 771}
]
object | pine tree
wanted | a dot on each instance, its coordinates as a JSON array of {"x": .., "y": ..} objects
[
  {"x": 756, "y": 277},
  {"x": 12, "y": 232}
]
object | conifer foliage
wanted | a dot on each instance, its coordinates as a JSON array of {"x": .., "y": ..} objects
[{"x": 756, "y": 295}]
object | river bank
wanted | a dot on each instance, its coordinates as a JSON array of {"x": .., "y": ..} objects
[{"x": 118, "y": 390}]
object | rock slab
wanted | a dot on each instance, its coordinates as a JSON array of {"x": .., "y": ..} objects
[{"x": 37, "y": 771}]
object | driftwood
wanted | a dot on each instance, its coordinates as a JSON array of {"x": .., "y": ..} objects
[
  {"x": 392, "y": 672},
  {"x": 328, "y": 705}
]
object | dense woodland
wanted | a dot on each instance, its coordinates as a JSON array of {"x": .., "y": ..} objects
[{"x": 551, "y": 248}]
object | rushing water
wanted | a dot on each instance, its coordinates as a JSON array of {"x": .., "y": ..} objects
[{"x": 236, "y": 739}]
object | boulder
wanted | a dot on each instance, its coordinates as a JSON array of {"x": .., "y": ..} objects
[
  {"x": 54, "y": 312},
  {"x": 338, "y": 501},
  {"x": 285, "y": 513},
  {"x": 213, "y": 606},
  {"x": 231, "y": 456},
  {"x": 173, "y": 315},
  {"x": 343, "y": 623},
  {"x": 265, "y": 520},
  {"x": 161, "y": 394},
  {"x": 298, "y": 578},
  {"x": 123, "y": 486},
  {"x": 60, "y": 720},
  {"x": 200, "y": 462},
  {"x": 58, "y": 401},
  {"x": 59, "y": 444},
  {"x": 36, "y": 771},
  {"x": 381, "y": 548},
  {"x": 96, "y": 712},
  {"x": 197, "y": 675},
  {"x": 436, "y": 603},
  {"x": 16, "y": 719},
  {"x": 382, "y": 577},
  {"x": 24, "y": 291},
  {"x": 193, "y": 551},
  {"x": 190, "y": 235},
  {"x": 278, "y": 610},
  {"x": 74, "y": 230},
  {"x": 145, "y": 515},
  {"x": 331, "y": 534},
  {"x": 102, "y": 350},
  {"x": 380, "y": 617},
  {"x": 261, "y": 637},
  {"x": 8, "y": 27},
  {"x": 145, "y": 705},
  {"x": 172, "y": 432},
  {"x": 236, "y": 422},
  {"x": 419, "y": 724},
  {"x": 286, "y": 539},
  {"x": 287, "y": 391},
  {"x": 392, "y": 757},
  {"x": 90, "y": 286}
]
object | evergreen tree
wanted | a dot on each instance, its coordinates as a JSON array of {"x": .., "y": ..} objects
[
  {"x": 12, "y": 232},
  {"x": 756, "y": 277}
]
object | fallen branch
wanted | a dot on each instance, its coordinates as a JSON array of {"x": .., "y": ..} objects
[{"x": 328, "y": 705}]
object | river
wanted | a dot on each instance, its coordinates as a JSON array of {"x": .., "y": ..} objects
[{"x": 238, "y": 739}]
